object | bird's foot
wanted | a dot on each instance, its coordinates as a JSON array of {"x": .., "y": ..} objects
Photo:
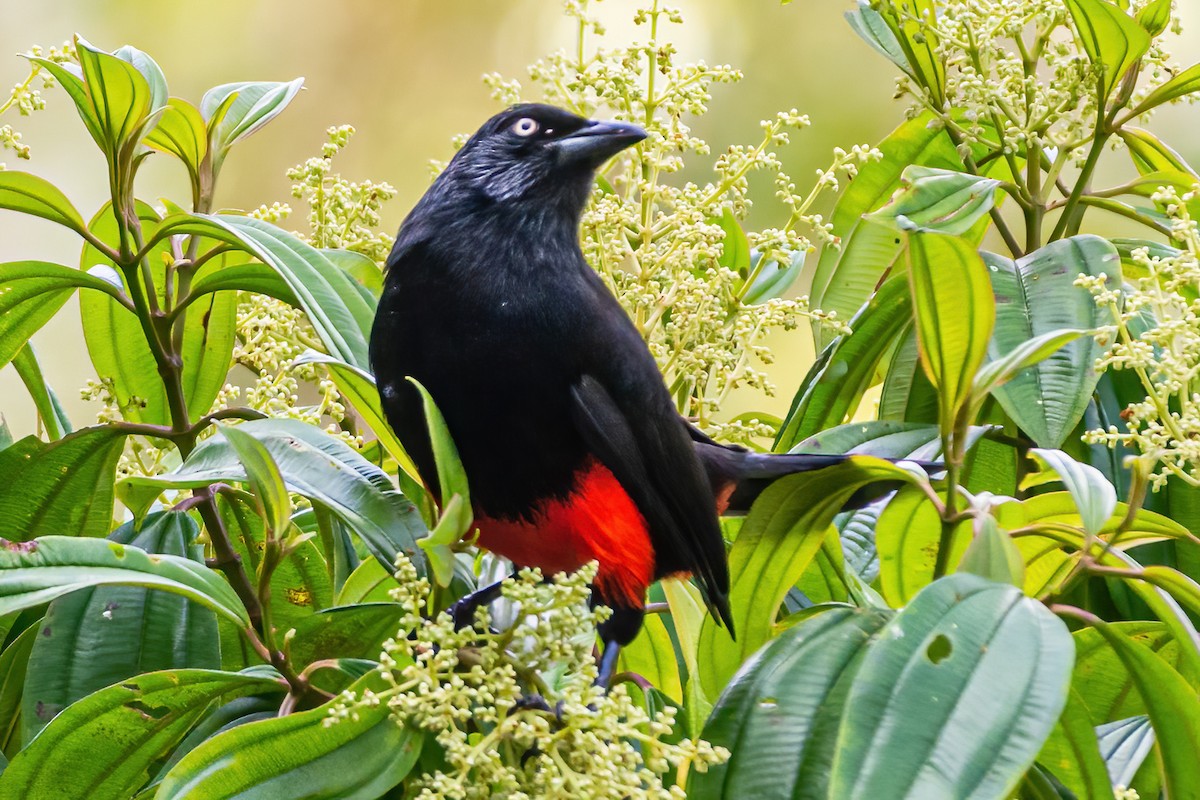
[
  {"x": 608, "y": 664},
  {"x": 535, "y": 702},
  {"x": 462, "y": 611}
]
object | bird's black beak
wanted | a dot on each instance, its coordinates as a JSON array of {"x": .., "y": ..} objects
[{"x": 596, "y": 142}]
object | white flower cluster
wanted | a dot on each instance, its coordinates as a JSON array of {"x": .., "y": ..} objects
[
  {"x": 1156, "y": 334},
  {"x": 465, "y": 689},
  {"x": 26, "y": 99}
]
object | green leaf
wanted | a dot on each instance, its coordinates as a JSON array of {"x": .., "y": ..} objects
[
  {"x": 846, "y": 369},
  {"x": 32, "y": 573},
  {"x": 265, "y": 479},
  {"x": 770, "y": 279},
  {"x": 688, "y": 613},
  {"x": 652, "y": 655},
  {"x": 370, "y": 582},
  {"x": 779, "y": 717},
  {"x": 992, "y": 554},
  {"x": 119, "y": 96},
  {"x": 1151, "y": 155},
  {"x": 64, "y": 487},
  {"x": 50, "y": 411},
  {"x": 1183, "y": 84},
  {"x": 300, "y": 584},
  {"x": 939, "y": 201},
  {"x": 181, "y": 132},
  {"x": 358, "y": 758},
  {"x": 247, "y": 106},
  {"x": 367, "y": 275},
  {"x": 955, "y": 313},
  {"x": 31, "y": 293},
  {"x": 104, "y": 746},
  {"x": 1072, "y": 753},
  {"x": 907, "y": 537},
  {"x": 1094, "y": 496},
  {"x": 257, "y": 278},
  {"x": 1172, "y": 707},
  {"x": 356, "y": 631},
  {"x": 885, "y": 439},
  {"x": 358, "y": 386},
  {"x": 150, "y": 70},
  {"x": 1155, "y": 16},
  {"x": 779, "y": 539},
  {"x": 339, "y": 311},
  {"x": 318, "y": 466},
  {"x": 872, "y": 29},
  {"x": 1113, "y": 41},
  {"x": 116, "y": 340},
  {"x": 14, "y": 664},
  {"x": 735, "y": 249},
  {"x": 452, "y": 478},
  {"x": 911, "y": 22},
  {"x": 1036, "y": 296},
  {"x": 956, "y": 696},
  {"x": 846, "y": 276},
  {"x": 97, "y": 636},
  {"x": 29, "y": 194},
  {"x": 906, "y": 394}
]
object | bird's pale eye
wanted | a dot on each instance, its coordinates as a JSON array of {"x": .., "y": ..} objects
[{"x": 525, "y": 127}]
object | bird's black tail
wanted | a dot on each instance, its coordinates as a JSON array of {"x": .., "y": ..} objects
[{"x": 739, "y": 476}]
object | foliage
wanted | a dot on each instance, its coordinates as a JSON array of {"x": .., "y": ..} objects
[{"x": 1021, "y": 626}]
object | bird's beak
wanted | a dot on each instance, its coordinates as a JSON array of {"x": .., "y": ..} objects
[{"x": 596, "y": 142}]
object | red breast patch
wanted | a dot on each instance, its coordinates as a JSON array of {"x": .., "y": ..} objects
[{"x": 597, "y": 521}]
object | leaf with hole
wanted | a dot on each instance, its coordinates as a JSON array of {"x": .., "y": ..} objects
[
  {"x": 98, "y": 636},
  {"x": 32, "y": 573}
]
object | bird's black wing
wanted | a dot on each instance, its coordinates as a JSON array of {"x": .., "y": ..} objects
[{"x": 653, "y": 461}]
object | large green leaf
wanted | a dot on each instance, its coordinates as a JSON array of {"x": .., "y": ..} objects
[
  {"x": 1036, "y": 295},
  {"x": 105, "y": 746},
  {"x": 64, "y": 487},
  {"x": 319, "y": 466},
  {"x": 1094, "y": 496},
  {"x": 836, "y": 382},
  {"x": 780, "y": 537},
  {"x": 182, "y": 133},
  {"x": 938, "y": 200},
  {"x": 906, "y": 394},
  {"x": 31, "y": 292},
  {"x": 1173, "y": 709},
  {"x": 339, "y": 311},
  {"x": 780, "y": 714},
  {"x": 32, "y": 573},
  {"x": 98, "y": 636},
  {"x": 955, "y": 698},
  {"x": 358, "y": 758},
  {"x": 356, "y": 631},
  {"x": 846, "y": 275},
  {"x": 29, "y": 194},
  {"x": 955, "y": 313},
  {"x": 1112, "y": 39}
]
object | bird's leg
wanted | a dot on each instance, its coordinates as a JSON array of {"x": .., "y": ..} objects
[
  {"x": 463, "y": 609},
  {"x": 608, "y": 663}
]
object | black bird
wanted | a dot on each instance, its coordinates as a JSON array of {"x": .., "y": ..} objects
[{"x": 571, "y": 444}]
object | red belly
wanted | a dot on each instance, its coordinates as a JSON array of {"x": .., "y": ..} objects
[{"x": 597, "y": 521}]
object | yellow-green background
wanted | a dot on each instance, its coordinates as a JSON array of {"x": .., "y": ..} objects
[{"x": 406, "y": 74}]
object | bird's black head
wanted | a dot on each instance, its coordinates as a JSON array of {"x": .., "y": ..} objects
[{"x": 533, "y": 150}]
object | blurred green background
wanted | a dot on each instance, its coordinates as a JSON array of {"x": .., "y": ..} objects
[{"x": 406, "y": 74}]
